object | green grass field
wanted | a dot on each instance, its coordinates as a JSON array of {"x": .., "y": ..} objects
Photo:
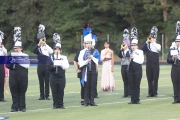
[{"x": 110, "y": 104}]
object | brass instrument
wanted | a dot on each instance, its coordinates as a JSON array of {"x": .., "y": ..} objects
[
  {"x": 43, "y": 39},
  {"x": 149, "y": 39},
  {"x": 123, "y": 46}
]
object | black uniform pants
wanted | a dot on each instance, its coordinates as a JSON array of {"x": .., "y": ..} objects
[
  {"x": 43, "y": 75},
  {"x": 57, "y": 87},
  {"x": 89, "y": 88},
  {"x": 2, "y": 74},
  {"x": 124, "y": 74},
  {"x": 18, "y": 82},
  {"x": 95, "y": 86},
  {"x": 134, "y": 82},
  {"x": 152, "y": 72},
  {"x": 175, "y": 76}
]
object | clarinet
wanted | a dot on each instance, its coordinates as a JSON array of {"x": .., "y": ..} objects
[
  {"x": 176, "y": 57},
  {"x": 56, "y": 66},
  {"x": 131, "y": 52},
  {"x": 89, "y": 57}
]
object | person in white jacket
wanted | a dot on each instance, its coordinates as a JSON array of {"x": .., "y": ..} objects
[
  {"x": 57, "y": 65},
  {"x": 135, "y": 71},
  {"x": 18, "y": 64},
  {"x": 152, "y": 49}
]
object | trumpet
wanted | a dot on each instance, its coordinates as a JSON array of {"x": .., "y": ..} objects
[
  {"x": 43, "y": 39},
  {"x": 123, "y": 46},
  {"x": 149, "y": 39}
]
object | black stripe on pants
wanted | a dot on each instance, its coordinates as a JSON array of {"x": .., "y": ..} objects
[
  {"x": 43, "y": 75},
  {"x": 152, "y": 72},
  {"x": 2, "y": 81},
  {"x": 18, "y": 82},
  {"x": 57, "y": 88},
  {"x": 175, "y": 76},
  {"x": 89, "y": 88}
]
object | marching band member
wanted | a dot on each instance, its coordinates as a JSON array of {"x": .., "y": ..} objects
[
  {"x": 124, "y": 54},
  {"x": 88, "y": 61},
  {"x": 135, "y": 68},
  {"x": 18, "y": 74},
  {"x": 3, "y": 53},
  {"x": 43, "y": 51},
  {"x": 174, "y": 59},
  {"x": 57, "y": 64},
  {"x": 152, "y": 49}
]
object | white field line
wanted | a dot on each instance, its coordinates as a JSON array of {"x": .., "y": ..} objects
[
  {"x": 100, "y": 91},
  {"x": 83, "y": 106}
]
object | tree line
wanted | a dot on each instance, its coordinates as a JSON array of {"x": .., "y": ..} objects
[{"x": 67, "y": 17}]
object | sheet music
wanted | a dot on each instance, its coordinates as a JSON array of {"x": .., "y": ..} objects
[
  {"x": 58, "y": 62},
  {"x": 174, "y": 52}
]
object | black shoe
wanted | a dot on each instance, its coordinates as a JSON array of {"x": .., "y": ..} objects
[
  {"x": 2, "y": 100},
  {"x": 131, "y": 103},
  {"x": 82, "y": 102},
  {"x": 93, "y": 104},
  {"x": 124, "y": 96},
  {"x": 150, "y": 96},
  {"x": 14, "y": 110},
  {"x": 23, "y": 110},
  {"x": 62, "y": 107},
  {"x": 41, "y": 98},
  {"x": 96, "y": 97},
  {"x": 47, "y": 98},
  {"x": 175, "y": 102},
  {"x": 86, "y": 104}
]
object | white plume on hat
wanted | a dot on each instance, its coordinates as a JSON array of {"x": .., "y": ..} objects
[
  {"x": 17, "y": 34},
  {"x": 41, "y": 28},
  {"x": 126, "y": 34},
  {"x": 1, "y": 36},
  {"x": 134, "y": 33},
  {"x": 17, "y": 37},
  {"x": 178, "y": 28},
  {"x": 153, "y": 32},
  {"x": 57, "y": 40}
]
